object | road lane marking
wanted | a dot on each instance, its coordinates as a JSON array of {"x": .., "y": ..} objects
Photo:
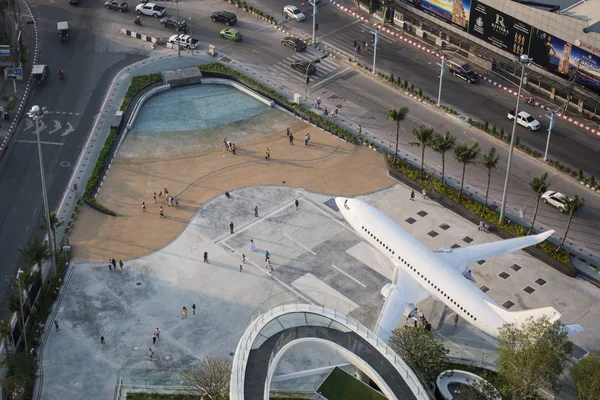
[
  {"x": 349, "y": 276},
  {"x": 35, "y": 142},
  {"x": 300, "y": 244},
  {"x": 330, "y": 78},
  {"x": 339, "y": 29}
]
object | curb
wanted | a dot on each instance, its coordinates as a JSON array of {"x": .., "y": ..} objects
[
  {"x": 438, "y": 55},
  {"x": 136, "y": 35},
  {"x": 17, "y": 116}
]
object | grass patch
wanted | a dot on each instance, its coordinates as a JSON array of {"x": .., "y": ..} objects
[{"x": 138, "y": 83}]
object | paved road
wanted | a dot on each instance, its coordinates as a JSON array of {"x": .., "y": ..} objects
[
  {"x": 90, "y": 61},
  {"x": 571, "y": 145}
]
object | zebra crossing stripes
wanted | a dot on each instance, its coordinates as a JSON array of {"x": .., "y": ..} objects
[
  {"x": 325, "y": 67},
  {"x": 342, "y": 41}
]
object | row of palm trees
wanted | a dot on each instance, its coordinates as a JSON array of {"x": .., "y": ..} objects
[{"x": 468, "y": 154}]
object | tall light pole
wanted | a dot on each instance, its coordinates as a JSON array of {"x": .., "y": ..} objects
[
  {"x": 375, "y": 41},
  {"x": 524, "y": 60},
  {"x": 442, "y": 72},
  {"x": 306, "y": 79},
  {"x": 314, "y": 7},
  {"x": 19, "y": 272},
  {"x": 191, "y": 47},
  {"x": 36, "y": 113},
  {"x": 551, "y": 116},
  {"x": 178, "y": 27}
]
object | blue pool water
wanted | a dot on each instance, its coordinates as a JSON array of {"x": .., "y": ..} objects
[{"x": 196, "y": 107}]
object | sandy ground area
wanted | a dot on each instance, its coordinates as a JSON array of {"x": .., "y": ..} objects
[{"x": 328, "y": 165}]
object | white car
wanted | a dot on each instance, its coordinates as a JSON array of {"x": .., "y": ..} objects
[
  {"x": 525, "y": 119},
  {"x": 555, "y": 199},
  {"x": 150, "y": 9},
  {"x": 294, "y": 13}
]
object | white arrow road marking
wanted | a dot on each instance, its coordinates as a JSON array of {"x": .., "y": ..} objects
[
  {"x": 68, "y": 130},
  {"x": 28, "y": 124},
  {"x": 42, "y": 126},
  {"x": 57, "y": 127}
]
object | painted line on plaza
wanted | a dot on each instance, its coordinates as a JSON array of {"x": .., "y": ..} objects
[
  {"x": 300, "y": 244},
  {"x": 315, "y": 86},
  {"x": 349, "y": 276}
]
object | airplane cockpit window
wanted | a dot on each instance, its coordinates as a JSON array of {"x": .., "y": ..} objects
[{"x": 346, "y": 204}]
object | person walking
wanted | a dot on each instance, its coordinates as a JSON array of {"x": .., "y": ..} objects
[
  {"x": 154, "y": 338},
  {"x": 154, "y": 197},
  {"x": 231, "y": 227},
  {"x": 114, "y": 264},
  {"x": 166, "y": 192},
  {"x": 271, "y": 272},
  {"x": 306, "y": 139},
  {"x": 256, "y": 211},
  {"x": 206, "y": 257},
  {"x": 184, "y": 312},
  {"x": 288, "y": 132},
  {"x": 455, "y": 319},
  {"x": 121, "y": 264},
  {"x": 233, "y": 149},
  {"x": 194, "y": 309},
  {"x": 412, "y": 195},
  {"x": 291, "y": 139},
  {"x": 109, "y": 265},
  {"x": 243, "y": 259},
  {"x": 267, "y": 255},
  {"x": 143, "y": 206},
  {"x": 268, "y": 263},
  {"x": 240, "y": 267},
  {"x": 176, "y": 204},
  {"x": 424, "y": 193},
  {"x": 162, "y": 213},
  {"x": 56, "y": 325},
  {"x": 267, "y": 154},
  {"x": 150, "y": 353},
  {"x": 318, "y": 102},
  {"x": 252, "y": 246},
  {"x": 157, "y": 333},
  {"x": 296, "y": 203}
]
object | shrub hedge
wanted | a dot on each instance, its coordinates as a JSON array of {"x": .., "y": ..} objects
[
  {"x": 137, "y": 84},
  {"x": 217, "y": 67},
  {"x": 94, "y": 180},
  {"x": 475, "y": 206}
]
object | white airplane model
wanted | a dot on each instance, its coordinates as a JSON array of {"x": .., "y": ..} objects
[{"x": 443, "y": 275}]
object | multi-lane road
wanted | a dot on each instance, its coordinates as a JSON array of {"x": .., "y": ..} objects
[{"x": 97, "y": 51}]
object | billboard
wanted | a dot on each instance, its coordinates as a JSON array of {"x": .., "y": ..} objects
[
  {"x": 455, "y": 12},
  {"x": 563, "y": 59},
  {"x": 499, "y": 29}
]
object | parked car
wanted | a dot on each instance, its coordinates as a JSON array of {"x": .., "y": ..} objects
[
  {"x": 171, "y": 23},
  {"x": 231, "y": 34},
  {"x": 116, "y": 5},
  {"x": 184, "y": 41},
  {"x": 150, "y": 9},
  {"x": 294, "y": 43},
  {"x": 555, "y": 199},
  {"x": 304, "y": 66},
  {"x": 224, "y": 17},
  {"x": 463, "y": 71},
  {"x": 524, "y": 119},
  {"x": 294, "y": 13}
]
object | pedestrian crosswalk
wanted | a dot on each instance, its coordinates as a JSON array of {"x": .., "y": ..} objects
[
  {"x": 325, "y": 67},
  {"x": 342, "y": 42}
]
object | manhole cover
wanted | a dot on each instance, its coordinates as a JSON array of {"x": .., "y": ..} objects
[
  {"x": 139, "y": 283},
  {"x": 65, "y": 164},
  {"x": 166, "y": 358}
]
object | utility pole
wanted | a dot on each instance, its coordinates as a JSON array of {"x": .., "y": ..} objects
[
  {"x": 375, "y": 41},
  {"x": 177, "y": 25},
  {"x": 314, "y": 7},
  {"x": 191, "y": 48},
  {"x": 442, "y": 72},
  {"x": 19, "y": 272}
]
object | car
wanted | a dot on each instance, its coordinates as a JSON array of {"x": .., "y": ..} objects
[
  {"x": 463, "y": 71},
  {"x": 171, "y": 23},
  {"x": 304, "y": 66},
  {"x": 183, "y": 41},
  {"x": 555, "y": 199},
  {"x": 116, "y": 5},
  {"x": 294, "y": 13},
  {"x": 73, "y": 2},
  {"x": 524, "y": 119},
  {"x": 294, "y": 43},
  {"x": 224, "y": 17},
  {"x": 150, "y": 9},
  {"x": 231, "y": 34}
]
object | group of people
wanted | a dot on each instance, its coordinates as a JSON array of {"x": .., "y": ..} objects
[
  {"x": 290, "y": 136},
  {"x": 423, "y": 321},
  {"x": 170, "y": 200},
  {"x": 483, "y": 226},
  {"x": 112, "y": 264},
  {"x": 228, "y": 145}
]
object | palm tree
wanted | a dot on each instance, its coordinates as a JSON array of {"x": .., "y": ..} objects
[
  {"x": 489, "y": 163},
  {"x": 36, "y": 253},
  {"x": 397, "y": 116},
  {"x": 5, "y": 334},
  {"x": 54, "y": 223},
  {"x": 539, "y": 186},
  {"x": 572, "y": 206},
  {"x": 465, "y": 155},
  {"x": 442, "y": 144},
  {"x": 424, "y": 137}
]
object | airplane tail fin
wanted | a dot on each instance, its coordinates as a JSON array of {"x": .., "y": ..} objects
[{"x": 518, "y": 317}]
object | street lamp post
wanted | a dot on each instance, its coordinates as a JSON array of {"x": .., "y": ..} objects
[
  {"x": 375, "y": 41},
  {"x": 19, "y": 272},
  {"x": 306, "y": 79},
  {"x": 36, "y": 113},
  {"x": 314, "y": 7},
  {"x": 549, "y": 132},
  {"x": 177, "y": 25},
  {"x": 524, "y": 60},
  {"x": 191, "y": 47},
  {"x": 442, "y": 71}
]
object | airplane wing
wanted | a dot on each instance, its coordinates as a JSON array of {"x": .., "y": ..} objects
[
  {"x": 402, "y": 295},
  {"x": 462, "y": 256}
]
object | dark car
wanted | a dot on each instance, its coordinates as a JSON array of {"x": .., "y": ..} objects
[
  {"x": 171, "y": 23},
  {"x": 116, "y": 5},
  {"x": 73, "y": 2},
  {"x": 294, "y": 43},
  {"x": 463, "y": 71},
  {"x": 224, "y": 17},
  {"x": 306, "y": 67}
]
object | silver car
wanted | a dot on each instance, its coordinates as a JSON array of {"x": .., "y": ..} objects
[{"x": 555, "y": 199}]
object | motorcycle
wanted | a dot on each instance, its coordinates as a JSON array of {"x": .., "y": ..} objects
[
  {"x": 529, "y": 100},
  {"x": 61, "y": 74},
  {"x": 137, "y": 21}
]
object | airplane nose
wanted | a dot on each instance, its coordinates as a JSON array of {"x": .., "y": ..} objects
[{"x": 339, "y": 201}]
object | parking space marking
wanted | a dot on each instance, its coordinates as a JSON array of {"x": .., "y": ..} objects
[{"x": 349, "y": 276}]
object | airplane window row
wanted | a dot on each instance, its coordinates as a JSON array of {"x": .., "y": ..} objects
[{"x": 421, "y": 276}]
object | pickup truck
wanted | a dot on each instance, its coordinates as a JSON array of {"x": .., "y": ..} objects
[
  {"x": 184, "y": 41},
  {"x": 524, "y": 119},
  {"x": 150, "y": 9}
]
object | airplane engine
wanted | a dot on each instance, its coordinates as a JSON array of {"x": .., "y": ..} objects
[{"x": 411, "y": 311}]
